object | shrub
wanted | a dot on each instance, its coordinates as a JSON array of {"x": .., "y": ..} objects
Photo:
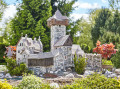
[
  {"x": 15, "y": 69},
  {"x": 80, "y": 64},
  {"x": 32, "y": 82},
  {"x": 5, "y": 85},
  {"x": 116, "y": 59},
  {"x": 95, "y": 81},
  {"x": 2, "y": 50}
]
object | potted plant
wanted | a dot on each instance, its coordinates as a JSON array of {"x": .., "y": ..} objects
[{"x": 107, "y": 64}]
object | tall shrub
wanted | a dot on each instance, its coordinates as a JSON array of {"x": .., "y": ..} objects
[
  {"x": 116, "y": 59},
  {"x": 80, "y": 64},
  {"x": 15, "y": 69}
]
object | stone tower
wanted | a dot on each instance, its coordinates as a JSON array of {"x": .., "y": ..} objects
[{"x": 58, "y": 24}]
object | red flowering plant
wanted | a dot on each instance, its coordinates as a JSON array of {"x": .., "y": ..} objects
[{"x": 106, "y": 50}]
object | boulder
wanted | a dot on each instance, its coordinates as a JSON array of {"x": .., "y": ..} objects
[
  {"x": 78, "y": 76},
  {"x": 8, "y": 75},
  {"x": 117, "y": 71},
  {"x": 69, "y": 76},
  {"x": 2, "y": 75},
  {"x": 112, "y": 75},
  {"x": 54, "y": 85},
  {"x": 87, "y": 72},
  {"x": 107, "y": 73}
]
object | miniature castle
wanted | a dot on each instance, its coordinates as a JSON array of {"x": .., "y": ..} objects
[{"x": 62, "y": 50}]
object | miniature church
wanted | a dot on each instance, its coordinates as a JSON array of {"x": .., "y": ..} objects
[{"x": 62, "y": 50}]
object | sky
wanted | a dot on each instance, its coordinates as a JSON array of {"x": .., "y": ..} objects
[{"x": 81, "y": 10}]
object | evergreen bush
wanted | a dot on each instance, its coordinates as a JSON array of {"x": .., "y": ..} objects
[
  {"x": 32, "y": 82},
  {"x": 95, "y": 81},
  {"x": 116, "y": 59},
  {"x": 15, "y": 69},
  {"x": 80, "y": 64}
]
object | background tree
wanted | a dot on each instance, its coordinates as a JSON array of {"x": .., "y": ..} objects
[
  {"x": 85, "y": 38},
  {"x": 2, "y": 7},
  {"x": 109, "y": 37},
  {"x": 99, "y": 24}
]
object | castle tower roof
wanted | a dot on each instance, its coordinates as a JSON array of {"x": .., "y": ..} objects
[
  {"x": 57, "y": 19},
  {"x": 58, "y": 16}
]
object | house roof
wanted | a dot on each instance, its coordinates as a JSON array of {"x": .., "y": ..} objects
[
  {"x": 36, "y": 44},
  {"x": 76, "y": 49},
  {"x": 58, "y": 16},
  {"x": 62, "y": 40},
  {"x": 46, "y": 55}
]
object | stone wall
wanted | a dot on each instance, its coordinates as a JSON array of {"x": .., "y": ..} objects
[{"x": 94, "y": 62}]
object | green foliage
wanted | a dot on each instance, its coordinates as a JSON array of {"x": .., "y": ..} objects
[
  {"x": 116, "y": 59},
  {"x": 109, "y": 37},
  {"x": 106, "y": 62},
  {"x": 85, "y": 38},
  {"x": 2, "y": 50},
  {"x": 32, "y": 82},
  {"x": 86, "y": 48},
  {"x": 95, "y": 81},
  {"x": 15, "y": 69},
  {"x": 100, "y": 21},
  {"x": 2, "y": 7},
  {"x": 80, "y": 64},
  {"x": 66, "y": 7},
  {"x": 5, "y": 85}
]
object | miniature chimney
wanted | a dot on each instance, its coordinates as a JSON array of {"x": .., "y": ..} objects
[
  {"x": 35, "y": 39},
  {"x": 25, "y": 36},
  {"x": 39, "y": 38}
]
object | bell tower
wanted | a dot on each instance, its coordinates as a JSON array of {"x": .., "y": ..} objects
[{"x": 57, "y": 24}]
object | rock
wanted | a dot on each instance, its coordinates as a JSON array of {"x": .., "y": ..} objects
[
  {"x": 118, "y": 76},
  {"x": 65, "y": 73},
  {"x": 78, "y": 76},
  {"x": 107, "y": 73},
  {"x": 51, "y": 72},
  {"x": 69, "y": 76},
  {"x": 8, "y": 75},
  {"x": 1, "y": 75},
  {"x": 117, "y": 71},
  {"x": 112, "y": 75},
  {"x": 68, "y": 69},
  {"x": 54, "y": 85},
  {"x": 86, "y": 73}
]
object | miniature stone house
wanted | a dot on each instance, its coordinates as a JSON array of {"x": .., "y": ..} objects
[{"x": 62, "y": 50}]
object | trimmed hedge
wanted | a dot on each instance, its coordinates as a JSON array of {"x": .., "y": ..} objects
[{"x": 95, "y": 81}]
